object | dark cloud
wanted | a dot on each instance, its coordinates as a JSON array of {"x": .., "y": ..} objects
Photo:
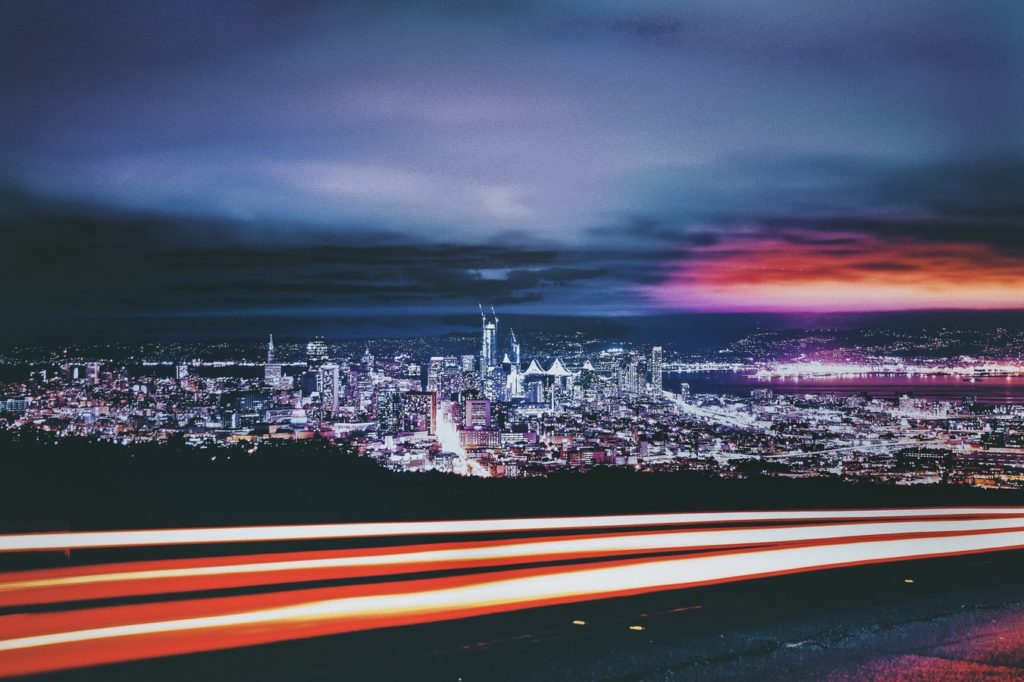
[
  {"x": 80, "y": 260},
  {"x": 835, "y": 200}
]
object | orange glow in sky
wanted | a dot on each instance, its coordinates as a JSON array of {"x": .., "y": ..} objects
[{"x": 853, "y": 274}]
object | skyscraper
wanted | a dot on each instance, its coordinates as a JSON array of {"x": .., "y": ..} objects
[
  {"x": 272, "y": 370},
  {"x": 515, "y": 349},
  {"x": 477, "y": 414},
  {"x": 328, "y": 387},
  {"x": 389, "y": 410},
  {"x": 435, "y": 374},
  {"x": 656, "y": 362},
  {"x": 316, "y": 353},
  {"x": 628, "y": 380},
  {"x": 489, "y": 341},
  {"x": 419, "y": 411}
]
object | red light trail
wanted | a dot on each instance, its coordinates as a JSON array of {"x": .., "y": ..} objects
[
  {"x": 595, "y": 566},
  {"x": 155, "y": 577}
]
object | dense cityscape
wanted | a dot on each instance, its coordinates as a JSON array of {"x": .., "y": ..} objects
[{"x": 767, "y": 404}]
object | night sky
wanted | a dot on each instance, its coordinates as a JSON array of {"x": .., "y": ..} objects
[{"x": 269, "y": 158}]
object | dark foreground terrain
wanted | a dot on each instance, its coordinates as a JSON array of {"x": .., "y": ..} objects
[{"x": 78, "y": 484}]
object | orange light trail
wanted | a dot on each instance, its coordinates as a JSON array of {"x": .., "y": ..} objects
[
  {"x": 73, "y": 637},
  {"x": 156, "y": 577}
]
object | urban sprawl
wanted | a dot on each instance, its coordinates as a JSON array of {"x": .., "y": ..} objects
[{"x": 499, "y": 412}]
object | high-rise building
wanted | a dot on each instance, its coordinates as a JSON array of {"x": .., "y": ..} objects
[
  {"x": 389, "y": 410},
  {"x": 515, "y": 349},
  {"x": 513, "y": 379},
  {"x": 250, "y": 401},
  {"x": 316, "y": 353},
  {"x": 328, "y": 386},
  {"x": 419, "y": 411},
  {"x": 629, "y": 380},
  {"x": 272, "y": 370},
  {"x": 435, "y": 374},
  {"x": 477, "y": 414},
  {"x": 534, "y": 383},
  {"x": 488, "y": 342},
  {"x": 364, "y": 388},
  {"x": 445, "y": 375},
  {"x": 656, "y": 363}
]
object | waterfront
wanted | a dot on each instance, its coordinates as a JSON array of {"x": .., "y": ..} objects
[{"x": 993, "y": 390}]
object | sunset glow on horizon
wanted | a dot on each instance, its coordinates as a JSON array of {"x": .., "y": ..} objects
[{"x": 853, "y": 274}]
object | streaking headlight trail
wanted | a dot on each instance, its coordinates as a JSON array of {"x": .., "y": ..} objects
[
  {"x": 25, "y": 542},
  {"x": 105, "y": 581},
  {"x": 485, "y": 577}
]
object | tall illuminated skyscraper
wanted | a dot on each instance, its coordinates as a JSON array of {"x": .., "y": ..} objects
[
  {"x": 328, "y": 387},
  {"x": 477, "y": 414},
  {"x": 629, "y": 378},
  {"x": 389, "y": 410},
  {"x": 316, "y": 353},
  {"x": 272, "y": 369},
  {"x": 419, "y": 411},
  {"x": 515, "y": 349},
  {"x": 656, "y": 362},
  {"x": 489, "y": 341},
  {"x": 435, "y": 374}
]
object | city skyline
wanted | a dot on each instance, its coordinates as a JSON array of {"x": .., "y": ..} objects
[{"x": 370, "y": 159}]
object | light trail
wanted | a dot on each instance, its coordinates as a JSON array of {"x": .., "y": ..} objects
[
  {"x": 60, "y": 541},
  {"x": 160, "y": 577},
  {"x": 52, "y": 641}
]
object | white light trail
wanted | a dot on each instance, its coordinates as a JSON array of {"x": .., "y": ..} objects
[
  {"x": 60, "y": 541},
  {"x": 525, "y": 550}
]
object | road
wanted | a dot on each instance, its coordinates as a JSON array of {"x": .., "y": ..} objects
[{"x": 102, "y": 612}]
